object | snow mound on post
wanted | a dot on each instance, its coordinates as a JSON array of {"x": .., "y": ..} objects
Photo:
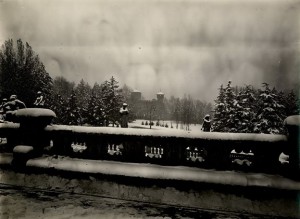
[
  {"x": 35, "y": 112},
  {"x": 35, "y": 116},
  {"x": 23, "y": 149},
  {"x": 292, "y": 120}
]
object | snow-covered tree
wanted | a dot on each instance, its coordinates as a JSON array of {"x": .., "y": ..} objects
[
  {"x": 230, "y": 106},
  {"x": 126, "y": 93},
  {"x": 219, "y": 120},
  {"x": 225, "y": 117},
  {"x": 83, "y": 95},
  {"x": 59, "y": 106},
  {"x": 22, "y": 73},
  {"x": 245, "y": 110},
  {"x": 112, "y": 100},
  {"x": 96, "y": 114},
  {"x": 269, "y": 117},
  {"x": 73, "y": 116},
  {"x": 62, "y": 87},
  {"x": 291, "y": 103}
]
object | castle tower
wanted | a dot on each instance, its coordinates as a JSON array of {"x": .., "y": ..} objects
[
  {"x": 136, "y": 95},
  {"x": 160, "y": 96}
]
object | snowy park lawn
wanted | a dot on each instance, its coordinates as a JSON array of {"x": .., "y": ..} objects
[{"x": 138, "y": 124}]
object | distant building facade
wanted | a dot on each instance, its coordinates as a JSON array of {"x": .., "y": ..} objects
[{"x": 146, "y": 109}]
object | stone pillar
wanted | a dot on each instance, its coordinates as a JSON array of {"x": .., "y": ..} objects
[
  {"x": 31, "y": 133},
  {"x": 292, "y": 124}
]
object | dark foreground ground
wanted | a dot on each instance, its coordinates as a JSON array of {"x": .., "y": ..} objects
[{"x": 20, "y": 202}]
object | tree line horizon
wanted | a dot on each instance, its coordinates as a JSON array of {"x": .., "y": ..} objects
[{"x": 239, "y": 109}]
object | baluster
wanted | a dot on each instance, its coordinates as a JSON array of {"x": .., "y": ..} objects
[
  {"x": 109, "y": 149},
  {"x": 146, "y": 151},
  {"x": 187, "y": 153}
]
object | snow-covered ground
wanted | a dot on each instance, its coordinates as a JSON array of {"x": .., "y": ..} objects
[
  {"x": 192, "y": 128},
  {"x": 20, "y": 202}
]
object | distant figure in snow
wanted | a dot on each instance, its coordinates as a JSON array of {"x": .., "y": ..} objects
[
  {"x": 39, "y": 101},
  {"x": 12, "y": 105},
  {"x": 206, "y": 124},
  {"x": 124, "y": 116}
]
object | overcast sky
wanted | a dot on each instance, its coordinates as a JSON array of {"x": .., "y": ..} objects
[{"x": 178, "y": 47}]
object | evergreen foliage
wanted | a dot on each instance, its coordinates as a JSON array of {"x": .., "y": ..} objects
[
  {"x": 219, "y": 122},
  {"x": 95, "y": 112},
  {"x": 230, "y": 109},
  {"x": 269, "y": 117},
  {"x": 245, "y": 110},
  {"x": 22, "y": 73},
  {"x": 291, "y": 103},
  {"x": 253, "y": 111},
  {"x": 83, "y": 95},
  {"x": 73, "y": 116},
  {"x": 112, "y": 100},
  {"x": 236, "y": 109}
]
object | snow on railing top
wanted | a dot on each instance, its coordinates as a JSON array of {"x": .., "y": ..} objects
[{"x": 168, "y": 133}]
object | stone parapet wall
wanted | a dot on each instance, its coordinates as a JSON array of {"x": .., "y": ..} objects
[{"x": 181, "y": 186}]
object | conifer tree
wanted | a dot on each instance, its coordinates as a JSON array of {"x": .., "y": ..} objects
[
  {"x": 291, "y": 103},
  {"x": 59, "y": 106},
  {"x": 112, "y": 100},
  {"x": 58, "y": 101},
  {"x": 245, "y": 110},
  {"x": 96, "y": 115},
  {"x": 269, "y": 115},
  {"x": 230, "y": 106},
  {"x": 22, "y": 73},
  {"x": 219, "y": 120},
  {"x": 83, "y": 95},
  {"x": 73, "y": 116}
]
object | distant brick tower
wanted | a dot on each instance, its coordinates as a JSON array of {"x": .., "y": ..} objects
[
  {"x": 136, "y": 96},
  {"x": 160, "y": 96}
]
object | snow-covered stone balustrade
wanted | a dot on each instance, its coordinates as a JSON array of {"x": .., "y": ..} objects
[
  {"x": 255, "y": 152},
  {"x": 155, "y": 166}
]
